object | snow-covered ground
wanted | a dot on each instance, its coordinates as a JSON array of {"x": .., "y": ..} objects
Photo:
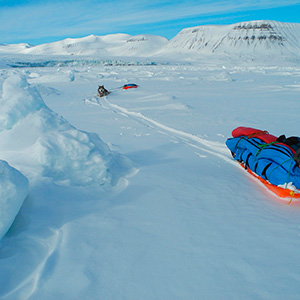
[{"x": 135, "y": 196}]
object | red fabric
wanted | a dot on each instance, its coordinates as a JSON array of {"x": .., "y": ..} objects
[
  {"x": 285, "y": 145},
  {"x": 261, "y": 134},
  {"x": 129, "y": 87},
  {"x": 252, "y": 132}
]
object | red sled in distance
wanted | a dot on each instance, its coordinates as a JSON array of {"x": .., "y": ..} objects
[{"x": 129, "y": 86}]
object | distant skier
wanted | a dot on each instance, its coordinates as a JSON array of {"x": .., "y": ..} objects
[{"x": 102, "y": 91}]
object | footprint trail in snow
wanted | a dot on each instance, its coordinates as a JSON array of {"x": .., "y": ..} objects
[{"x": 212, "y": 147}]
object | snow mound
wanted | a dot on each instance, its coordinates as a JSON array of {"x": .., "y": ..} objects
[
  {"x": 18, "y": 100},
  {"x": 13, "y": 190},
  {"x": 39, "y": 142}
]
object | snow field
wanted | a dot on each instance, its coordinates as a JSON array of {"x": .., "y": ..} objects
[{"x": 189, "y": 225}]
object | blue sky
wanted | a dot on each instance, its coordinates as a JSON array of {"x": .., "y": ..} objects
[{"x": 43, "y": 21}]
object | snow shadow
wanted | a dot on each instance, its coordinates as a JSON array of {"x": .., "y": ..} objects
[{"x": 63, "y": 166}]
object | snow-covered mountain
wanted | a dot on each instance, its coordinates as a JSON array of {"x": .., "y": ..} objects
[
  {"x": 14, "y": 48},
  {"x": 112, "y": 44},
  {"x": 256, "y": 38},
  {"x": 253, "y": 37}
]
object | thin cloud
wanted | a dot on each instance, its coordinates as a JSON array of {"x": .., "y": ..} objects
[{"x": 77, "y": 18}]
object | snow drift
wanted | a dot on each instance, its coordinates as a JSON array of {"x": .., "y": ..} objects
[
  {"x": 13, "y": 190},
  {"x": 39, "y": 142}
]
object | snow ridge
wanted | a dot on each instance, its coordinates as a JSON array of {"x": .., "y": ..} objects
[{"x": 36, "y": 136}]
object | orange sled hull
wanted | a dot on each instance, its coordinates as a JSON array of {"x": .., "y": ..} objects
[{"x": 285, "y": 194}]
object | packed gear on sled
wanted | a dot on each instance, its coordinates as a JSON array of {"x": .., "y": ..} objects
[
  {"x": 275, "y": 161},
  {"x": 130, "y": 86}
]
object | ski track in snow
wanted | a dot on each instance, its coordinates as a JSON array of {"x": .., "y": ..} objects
[{"x": 212, "y": 147}]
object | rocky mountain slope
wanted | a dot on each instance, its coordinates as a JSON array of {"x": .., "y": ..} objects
[{"x": 254, "y": 37}]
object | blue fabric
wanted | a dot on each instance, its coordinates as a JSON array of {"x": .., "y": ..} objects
[
  {"x": 272, "y": 162},
  {"x": 130, "y": 85}
]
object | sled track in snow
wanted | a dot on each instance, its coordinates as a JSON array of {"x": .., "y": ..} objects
[{"x": 212, "y": 147}]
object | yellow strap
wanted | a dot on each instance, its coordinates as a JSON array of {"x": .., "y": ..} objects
[{"x": 292, "y": 193}]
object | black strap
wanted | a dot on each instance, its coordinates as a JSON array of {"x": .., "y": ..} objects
[
  {"x": 247, "y": 161},
  {"x": 265, "y": 170}
]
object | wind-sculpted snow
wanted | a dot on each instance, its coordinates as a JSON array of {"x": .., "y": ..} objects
[
  {"x": 39, "y": 142},
  {"x": 18, "y": 100},
  {"x": 13, "y": 190}
]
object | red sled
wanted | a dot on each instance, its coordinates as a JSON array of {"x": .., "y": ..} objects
[
  {"x": 130, "y": 86},
  {"x": 284, "y": 193}
]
